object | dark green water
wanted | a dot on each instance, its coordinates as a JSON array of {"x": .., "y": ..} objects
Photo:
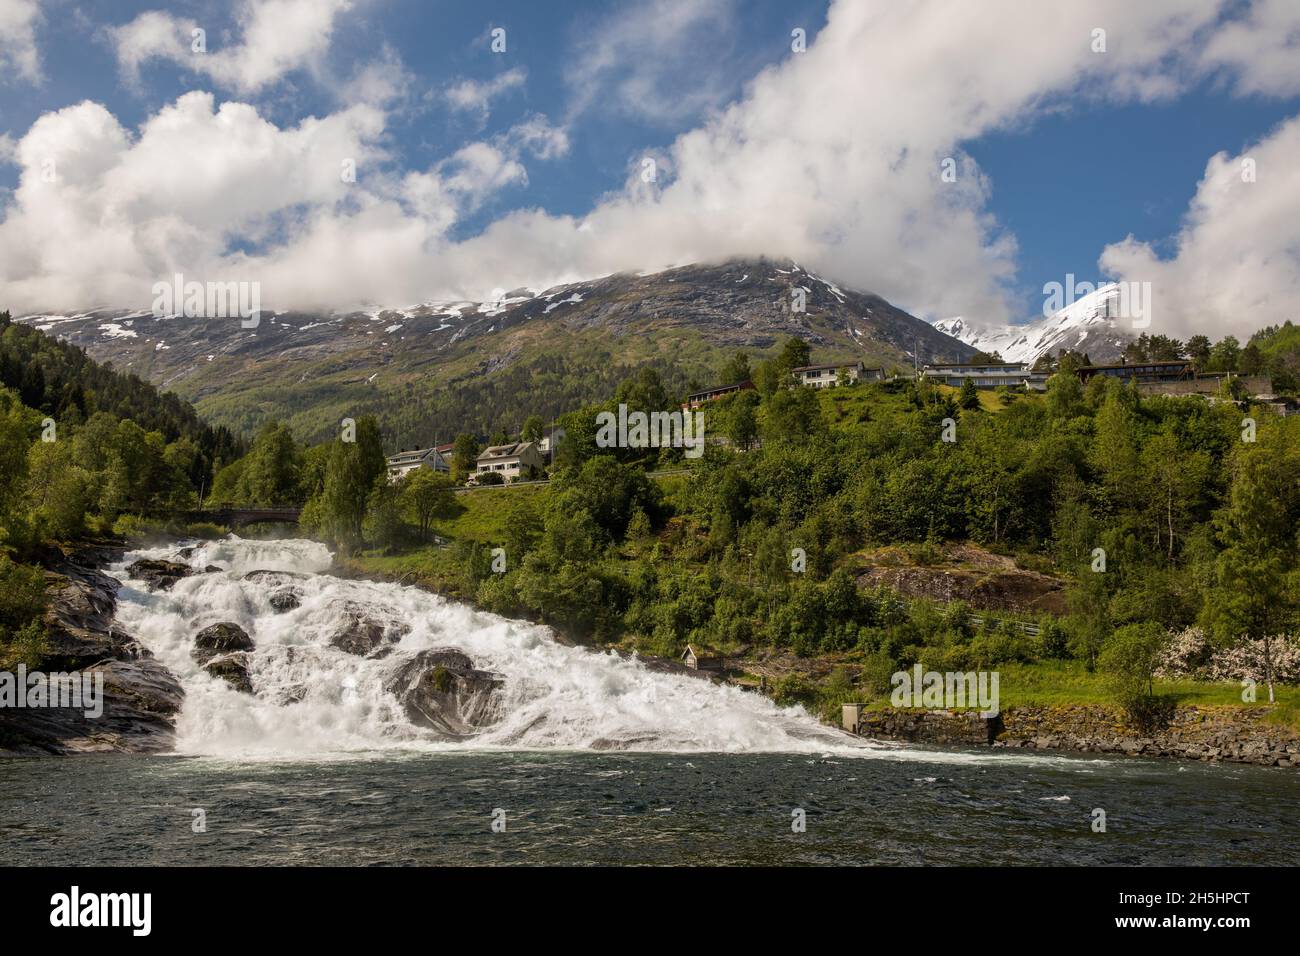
[{"x": 579, "y": 808}]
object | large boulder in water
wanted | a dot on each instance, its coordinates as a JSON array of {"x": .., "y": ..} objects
[
  {"x": 285, "y": 599},
  {"x": 157, "y": 573},
  {"x": 274, "y": 578},
  {"x": 442, "y": 690},
  {"x": 361, "y": 634},
  {"x": 222, "y": 638},
  {"x": 233, "y": 669}
]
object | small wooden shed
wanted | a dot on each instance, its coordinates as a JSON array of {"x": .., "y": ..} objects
[{"x": 701, "y": 659}]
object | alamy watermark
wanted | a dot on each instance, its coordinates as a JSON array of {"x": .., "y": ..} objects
[
  {"x": 75, "y": 908},
  {"x": 37, "y": 690},
  {"x": 946, "y": 691},
  {"x": 1129, "y": 301},
  {"x": 209, "y": 300},
  {"x": 680, "y": 429}
]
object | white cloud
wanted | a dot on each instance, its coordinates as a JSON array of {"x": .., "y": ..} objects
[
  {"x": 659, "y": 60},
  {"x": 382, "y": 82},
  {"x": 1237, "y": 265},
  {"x": 476, "y": 96},
  {"x": 123, "y": 210},
  {"x": 1262, "y": 49},
  {"x": 480, "y": 169},
  {"x": 536, "y": 135},
  {"x": 18, "y": 53},
  {"x": 831, "y": 156},
  {"x": 277, "y": 37}
]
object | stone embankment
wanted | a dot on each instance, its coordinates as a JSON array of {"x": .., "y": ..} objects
[{"x": 1212, "y": 734}]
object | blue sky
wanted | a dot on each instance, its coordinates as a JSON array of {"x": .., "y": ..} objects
[{"x": 1054, "y": 170}]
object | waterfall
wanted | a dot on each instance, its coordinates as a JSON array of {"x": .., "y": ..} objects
[{"x": 311, "y": 698}]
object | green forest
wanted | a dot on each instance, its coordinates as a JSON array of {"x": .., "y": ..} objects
[{"x": 85, "y": 452}]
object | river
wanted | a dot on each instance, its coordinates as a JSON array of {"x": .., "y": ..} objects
[{"x": 588, "y": 757}]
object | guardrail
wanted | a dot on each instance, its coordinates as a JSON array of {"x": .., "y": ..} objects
[
  {"x": 463, "y": 489},
  {"x": 1033, "y": 630}
]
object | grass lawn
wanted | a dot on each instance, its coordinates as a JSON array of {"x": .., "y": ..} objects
[
  {"x": 989, "y": 400},
  {"x": 1062, "y": 683},
  {"x": 482, "y": 513}
]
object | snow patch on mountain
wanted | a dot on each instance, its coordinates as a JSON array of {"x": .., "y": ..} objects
[{"x": 1089, "y": 325}]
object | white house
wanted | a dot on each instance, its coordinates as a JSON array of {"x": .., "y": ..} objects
[
  {"x": 511, "y": 462},
  {"x": 986, "y": 375},
  {"x": 403, "y": 463},
  {"x": 827, "y": 376},
  {"x": 552, "y": 437}
]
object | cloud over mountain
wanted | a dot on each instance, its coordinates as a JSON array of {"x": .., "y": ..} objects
[{"x": 832, "y": 156}]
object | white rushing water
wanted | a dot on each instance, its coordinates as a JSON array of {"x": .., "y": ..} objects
[{"x": 312, "y": 699}]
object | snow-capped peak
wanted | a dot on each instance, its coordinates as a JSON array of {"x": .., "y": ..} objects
[{"x": 1088, "y": 324}]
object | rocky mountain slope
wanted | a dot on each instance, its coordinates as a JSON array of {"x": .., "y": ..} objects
[
  {"x": 1087, "y": 325},
  {"x": 432, "y": 370}
]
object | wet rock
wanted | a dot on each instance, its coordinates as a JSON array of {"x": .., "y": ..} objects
[
  {"x": 221, "y": 638},
  {"x": 79, "y": 620},
  {"x": 213, "y": 569},
  {"x": 233, "y": 669},
  {"x": 362, "y": 634},
  {"x": 141, "y": 697},
  {"x": 274, "y": 578},
  {"x": 140, "y": 701},
  {"x": 293, "y": 695},
  {"x": 442, "y": 690},
  {"x": 284, "y": 600},
  {"x": 158, "y": 574}
]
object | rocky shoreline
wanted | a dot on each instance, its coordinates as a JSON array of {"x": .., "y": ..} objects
[
  {"x": 141, "y": 697},
  {"x": 1209, "y": 734}
]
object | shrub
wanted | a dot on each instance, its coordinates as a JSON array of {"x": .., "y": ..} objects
[
  {"x": 877, "y": 673},
  {"x": 1129, "y": 658},
  {"x": 205, "y": 530},
  {"x": 792, "y": 689}
]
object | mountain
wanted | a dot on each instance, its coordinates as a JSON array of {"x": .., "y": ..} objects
[
  {"x": 1087, "y": 325},
  {"x": 438, "y": 368}
]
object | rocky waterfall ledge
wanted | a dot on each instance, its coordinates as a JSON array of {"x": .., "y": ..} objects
[{"x": 141, "y": 696}]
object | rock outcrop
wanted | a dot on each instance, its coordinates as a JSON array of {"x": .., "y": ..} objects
[
  {"x": 158, "y": 574},
  {"x": 220, "y": 638},
  {"x": 140, "y": 696},
  {"x": 223, "y": 650},
  {"x": 963, "y": 572},
  {"x": 442, "y": 690},
  {"x": 233, "y": 669},
  {"x": 362, "y": 634}
]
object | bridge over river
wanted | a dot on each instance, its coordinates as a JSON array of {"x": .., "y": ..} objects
[{"x": 235, "y": 517}]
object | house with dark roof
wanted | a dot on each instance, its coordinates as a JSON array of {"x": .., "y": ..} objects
[{"x": 697, "y": 399}]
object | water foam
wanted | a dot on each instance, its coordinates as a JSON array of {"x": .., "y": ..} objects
[{"x": 314, "y": 699}]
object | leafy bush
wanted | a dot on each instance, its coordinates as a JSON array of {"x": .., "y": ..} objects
[{"x": 1129, "y": 658}]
